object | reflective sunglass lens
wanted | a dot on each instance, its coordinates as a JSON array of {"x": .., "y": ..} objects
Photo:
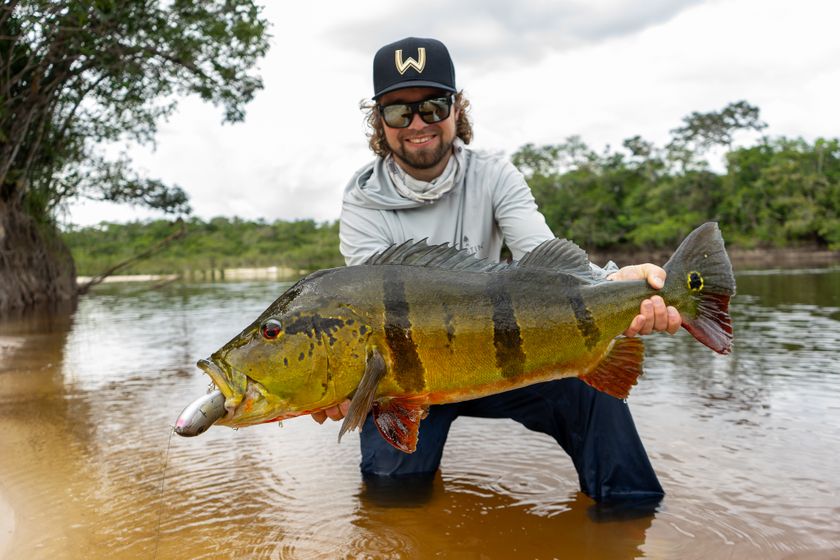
[
  {"x": 433, "y": 110},
  {"x": 399, "y": 115}
]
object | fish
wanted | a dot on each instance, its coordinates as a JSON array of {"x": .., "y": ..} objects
[{"x": 418, "y": 325}]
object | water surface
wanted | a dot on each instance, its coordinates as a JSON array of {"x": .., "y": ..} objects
[{"x": 747, "y": 447}]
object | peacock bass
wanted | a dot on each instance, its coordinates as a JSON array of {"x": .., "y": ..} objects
[{"x": 418, "y": 325}]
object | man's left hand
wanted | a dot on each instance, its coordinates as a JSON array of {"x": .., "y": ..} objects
[{"x": 653, "y": 314}]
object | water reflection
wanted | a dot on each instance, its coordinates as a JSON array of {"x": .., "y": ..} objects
[{"x": 746, "y": 447}]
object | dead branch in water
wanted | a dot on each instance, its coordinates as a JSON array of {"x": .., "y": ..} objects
[{"x": 160, "y": 245}]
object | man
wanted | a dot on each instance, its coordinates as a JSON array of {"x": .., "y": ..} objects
[{"x": 426, "y": 184}]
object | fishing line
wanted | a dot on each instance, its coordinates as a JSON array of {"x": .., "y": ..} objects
[{"x": 162, "y": 486}]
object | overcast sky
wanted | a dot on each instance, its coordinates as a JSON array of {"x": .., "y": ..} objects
[{"x": 534, "y": 71}]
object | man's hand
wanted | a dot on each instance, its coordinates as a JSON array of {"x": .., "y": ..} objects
[
  {"x": 333, "y": 413},
  {"x": 653, "y": 314}
]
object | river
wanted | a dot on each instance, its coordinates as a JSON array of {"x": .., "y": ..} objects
[{"x": 747, "y": 447}]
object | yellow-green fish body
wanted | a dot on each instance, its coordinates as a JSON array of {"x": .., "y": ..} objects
[{"x": 419, "y": 325}]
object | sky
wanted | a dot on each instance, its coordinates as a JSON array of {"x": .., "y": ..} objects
[{"x": 534, "y": 71}]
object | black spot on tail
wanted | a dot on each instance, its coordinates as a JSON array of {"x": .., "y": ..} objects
[
  {"x": 695, "y": 281},
  {"x": 507, "y": 339},
  {"x": 408, "y": 368}
]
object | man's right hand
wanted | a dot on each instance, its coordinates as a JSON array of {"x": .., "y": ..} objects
[{"x": 333, "y": 413}]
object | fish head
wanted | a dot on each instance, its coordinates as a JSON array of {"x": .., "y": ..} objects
[{"x": 287, "y": 362}]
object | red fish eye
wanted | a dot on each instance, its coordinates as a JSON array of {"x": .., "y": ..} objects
[{"x": 271, "y": 329}]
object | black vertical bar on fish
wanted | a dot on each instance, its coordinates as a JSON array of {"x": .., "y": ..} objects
[
  {"x": 507, "y": 338},
  {"x": 408, "y": 368},
  {"x": 585, "y": 321}
]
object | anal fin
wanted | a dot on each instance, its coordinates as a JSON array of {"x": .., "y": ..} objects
[
  {"x": 620, "y": 369},
  {"x": 362, "y": 401},
  {"x": 398, "y": 420}
]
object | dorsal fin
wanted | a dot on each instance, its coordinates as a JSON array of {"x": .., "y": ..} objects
[
  {"x": 444, "y": 256},
  {"x": 559, "y": 255}
]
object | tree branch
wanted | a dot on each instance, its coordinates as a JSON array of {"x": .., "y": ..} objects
[{"x": 174, "y": 236}]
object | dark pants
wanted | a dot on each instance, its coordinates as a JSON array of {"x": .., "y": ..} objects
[{"x": 595, "y": 429}]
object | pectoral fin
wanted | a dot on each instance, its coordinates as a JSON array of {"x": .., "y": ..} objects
[
  {"x": 620, "y": 369},
  {"x": 398, "y": 420},
  {"x": 362, "y": 401}
]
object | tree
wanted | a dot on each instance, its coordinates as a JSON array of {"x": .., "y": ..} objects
[
  {"x": 778, "y": 192},
  {"x": 701, "y": 131},
  {"x": 76, "y": 75}
]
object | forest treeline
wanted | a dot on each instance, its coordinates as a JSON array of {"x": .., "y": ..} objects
[
  {"x": 779, "y": 193},
  {"x": 776, "y": 192},
  {"x": 215, "y": 244},
  {"x": 772, "y": 192}
]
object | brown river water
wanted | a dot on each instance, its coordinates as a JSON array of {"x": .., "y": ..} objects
[{"x": 747, "y": 447}]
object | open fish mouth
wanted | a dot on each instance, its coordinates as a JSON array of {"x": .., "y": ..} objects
[
  {"x": 218, "y": 375},
  {"x": 247, "y": 401}
]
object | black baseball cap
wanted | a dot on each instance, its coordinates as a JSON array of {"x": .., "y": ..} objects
[{"x": 412, "y": 62}]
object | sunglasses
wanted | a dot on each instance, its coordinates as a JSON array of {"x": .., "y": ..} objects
[{"x": 399, "y": 115}]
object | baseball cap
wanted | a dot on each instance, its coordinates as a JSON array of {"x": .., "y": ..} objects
[{"x": 412, "y": 62}]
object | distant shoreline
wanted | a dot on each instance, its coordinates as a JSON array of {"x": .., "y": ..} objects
[
  {"x": 742, "y": 259},
  {"x": 226, "y": 274}
]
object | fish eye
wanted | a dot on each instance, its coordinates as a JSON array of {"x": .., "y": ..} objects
[{"x": 271, "y": 329}]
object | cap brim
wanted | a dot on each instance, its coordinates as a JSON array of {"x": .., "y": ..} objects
[{"x": 413, "y": 83}]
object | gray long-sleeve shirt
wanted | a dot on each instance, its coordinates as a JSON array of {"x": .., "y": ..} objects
[{"x": 490, "y": 203}]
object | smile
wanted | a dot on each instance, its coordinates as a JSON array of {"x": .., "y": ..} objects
[{"x": 421, "y": 139}]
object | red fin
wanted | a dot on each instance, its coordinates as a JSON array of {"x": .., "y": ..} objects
[
  {"x": 398, "y": 420},
  {"x": 713, "y": 325},
  {"x": 620, "y": 368}
]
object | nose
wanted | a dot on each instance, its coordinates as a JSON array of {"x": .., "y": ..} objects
[{"x": 416, "y": 122}]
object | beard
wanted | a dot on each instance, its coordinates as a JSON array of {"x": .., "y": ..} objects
[{"x": 425, "y": 158}]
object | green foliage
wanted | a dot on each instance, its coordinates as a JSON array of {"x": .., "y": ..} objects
[
  {"x": 215, "y": 244},
  {"x": 701, "y": 131},
  {"x": 82, "y": 74},
  {"x": 785, "y": 191},
  {"x": 779, "y": 192}
]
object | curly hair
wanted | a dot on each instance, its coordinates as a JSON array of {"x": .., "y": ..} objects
[{"x": 376, "y": 132}]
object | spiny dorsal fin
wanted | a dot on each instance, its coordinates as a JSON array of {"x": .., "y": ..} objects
[
  {"x": 559, "y": 255},
  {"x": 444, "y": 256}
]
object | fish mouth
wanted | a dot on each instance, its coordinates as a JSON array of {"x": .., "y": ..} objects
[
  {"x": 218, "y": 375},
  {"x": 247, "y": 402}
]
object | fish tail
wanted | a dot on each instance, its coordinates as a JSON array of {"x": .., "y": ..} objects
[{"x": 700, "y": 283}]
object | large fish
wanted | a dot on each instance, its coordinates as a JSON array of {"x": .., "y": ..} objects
[{"x": 418, "y": 325}]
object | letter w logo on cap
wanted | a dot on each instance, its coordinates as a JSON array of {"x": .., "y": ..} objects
[{"x": 403, "y": 65}]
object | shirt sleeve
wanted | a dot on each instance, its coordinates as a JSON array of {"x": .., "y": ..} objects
[
  {"x": 361, "y": 233},
  {"x": 523, "y": 226}
]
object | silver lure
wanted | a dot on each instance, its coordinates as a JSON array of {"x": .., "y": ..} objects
[{"x": 200, "y": 414}]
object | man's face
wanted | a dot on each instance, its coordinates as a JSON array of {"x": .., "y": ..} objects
[{"x": 420, "y": 146}]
